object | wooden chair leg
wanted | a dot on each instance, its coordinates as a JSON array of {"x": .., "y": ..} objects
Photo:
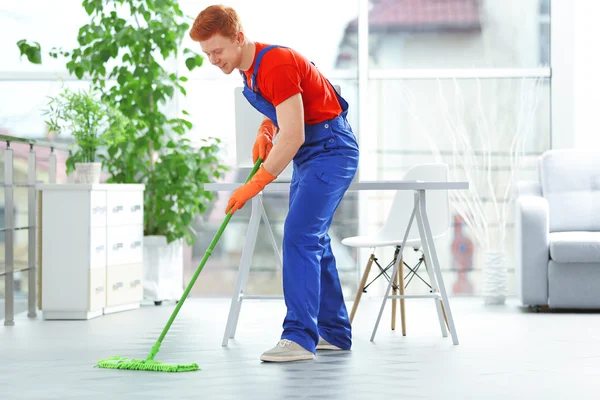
[
  {"x": 396, "y": 283},
  {"x": 361, "y": 287},
  {"x": 400, "y": 277},
  {"x": 395, "y": 293},
  {"x": 444, "y": 312}
]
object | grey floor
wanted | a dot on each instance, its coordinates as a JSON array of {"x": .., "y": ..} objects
[{"x": 504, "y": 352}]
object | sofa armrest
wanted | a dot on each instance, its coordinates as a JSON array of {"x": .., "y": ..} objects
[
  {"x": 528, "y": 188},
  {"x": 532, "y": 247}
]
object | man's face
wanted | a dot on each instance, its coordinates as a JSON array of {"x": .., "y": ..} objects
[{"x": 224, "y": 52}]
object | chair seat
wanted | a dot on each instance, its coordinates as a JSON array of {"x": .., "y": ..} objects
[
  {"x": 378, "y": 241},
  {"x": 573, "y": 247}
]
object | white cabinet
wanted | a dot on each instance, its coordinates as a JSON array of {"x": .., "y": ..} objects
[{"x": 92, "y": 249}]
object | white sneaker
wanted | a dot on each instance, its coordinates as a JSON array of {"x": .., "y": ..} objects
[
  {"x": 325, "y": 345},
  {"x": 285, "y": 351}
]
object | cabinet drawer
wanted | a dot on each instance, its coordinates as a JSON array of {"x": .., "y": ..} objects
[
  {"x": 124, "y": 284},
  {"x": 125, "y": 208},
  {"x": 98, "y": 208},
  {"x": 98, "y": 247},
  {"x": 97, "y": 289},
  {"x": 125, "y": 245},
  {"x": 136, "y": 279}
]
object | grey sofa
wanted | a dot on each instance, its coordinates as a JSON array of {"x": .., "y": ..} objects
[{"x": 558, "y": 232}]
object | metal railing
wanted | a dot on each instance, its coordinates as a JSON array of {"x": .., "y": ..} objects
[{"x": 9, "y": 228}]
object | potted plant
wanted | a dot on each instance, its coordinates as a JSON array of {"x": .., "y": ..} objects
[
  {"x": 128, "y": 49},
  {"x": 92, "y": 123},
  {"x": 174, "y": 196}
]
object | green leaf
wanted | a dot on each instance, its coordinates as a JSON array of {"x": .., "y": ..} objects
[
  {"x": 190, "y": 63},
  {"x": 186, "y": 218},
  {"x": 89, "y": 7},
  {"x": 79, "y": 72},
  {"x": 33, "y": 52},
  {"x": 34, "y": 56}
]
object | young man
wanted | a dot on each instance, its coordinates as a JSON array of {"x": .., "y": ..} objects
[{"x": 309, "y": 117}]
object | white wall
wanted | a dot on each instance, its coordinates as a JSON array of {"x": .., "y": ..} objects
[
  {"x": 587, "y": 73},
  {"x": 575, "y": 74}
]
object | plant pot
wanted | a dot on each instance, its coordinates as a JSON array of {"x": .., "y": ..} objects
[
  {"x": 88, "y": 172},
  {"x": 163, "y": 269},
  {"x": 495, "y": 278}
]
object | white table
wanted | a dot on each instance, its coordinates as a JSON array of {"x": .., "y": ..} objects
[{"x": 420, "y": 188}]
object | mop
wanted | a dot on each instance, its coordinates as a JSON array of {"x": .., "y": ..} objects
[{"x": 150, "y": 364}]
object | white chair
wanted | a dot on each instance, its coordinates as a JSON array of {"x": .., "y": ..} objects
[{"x": 394, "y": 229}]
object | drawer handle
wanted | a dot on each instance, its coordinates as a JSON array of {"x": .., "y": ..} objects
[
  {"x": 117, "y": 285},
  {"x": 136, "y": 208},
  {"x": 117, "y": 246},
  {"x": 135, "y": 283},
  {"x": 97, "y": 210},
  {"x": 100, "y": 289},
  {"x": 99, "y": 248},
  {"x": 117, "y": 209},
  {"x": 136, "y": 244}
]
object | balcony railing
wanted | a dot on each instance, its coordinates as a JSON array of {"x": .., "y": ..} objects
[{"x": 9, "y": 184}]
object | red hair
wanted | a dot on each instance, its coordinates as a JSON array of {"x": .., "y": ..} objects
[{"x": 214, "y": 20}]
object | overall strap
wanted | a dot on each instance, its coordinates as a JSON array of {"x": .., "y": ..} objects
[{"x": 259, "y": 58}]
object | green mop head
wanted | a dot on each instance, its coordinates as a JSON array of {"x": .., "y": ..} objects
[
  {"x": 145, "y": 365},
  {"x": 149, "y": 364}
]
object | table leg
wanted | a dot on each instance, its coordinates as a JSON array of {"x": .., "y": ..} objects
[
  {"x": 243, "y": 271},
  {"x": 436, "y": 268},
  {"x": 246, "y": 275},
  {"x": 427, "y": 249},
  {"x": 271, "y": 235}
]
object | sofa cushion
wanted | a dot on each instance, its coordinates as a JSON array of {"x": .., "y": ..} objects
[
  {"x": 574, "y": 247},
  {"x": 570, "y": 180},
  {"x": 573, "y": 285}
]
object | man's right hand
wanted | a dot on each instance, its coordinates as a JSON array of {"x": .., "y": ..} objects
[{"x": 264, "y": 140}]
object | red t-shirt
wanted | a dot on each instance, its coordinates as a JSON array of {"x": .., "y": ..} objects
[{"x": 284, "y": 72}]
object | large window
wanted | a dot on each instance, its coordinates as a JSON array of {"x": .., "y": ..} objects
[
  {"x": 449, "y": 79},
  {"x": 416, "y": 74}
]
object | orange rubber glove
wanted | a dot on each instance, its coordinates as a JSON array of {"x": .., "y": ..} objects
[
  {"x": 264, "y": 140},
  {"x": 247, "y": 191}
]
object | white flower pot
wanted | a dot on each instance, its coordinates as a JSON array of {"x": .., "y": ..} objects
[
  {"x": 88, "y": 172},
  {"x": 495, "y": 278},
  {"x": 163, "y": 269}
]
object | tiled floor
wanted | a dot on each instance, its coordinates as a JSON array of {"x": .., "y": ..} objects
[{"x": 504, "y": 352}]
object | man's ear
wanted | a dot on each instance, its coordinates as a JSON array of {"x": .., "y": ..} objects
[{"x": 241, "y": 38}]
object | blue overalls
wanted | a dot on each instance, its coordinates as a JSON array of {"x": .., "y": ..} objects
[{"x": 323, "y": 168}]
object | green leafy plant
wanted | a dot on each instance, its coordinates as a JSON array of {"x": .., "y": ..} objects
[
  {"x": 176, "y": 184},
  {"x": 92, "y": 123},
  {"x": 128, "y": 50}
]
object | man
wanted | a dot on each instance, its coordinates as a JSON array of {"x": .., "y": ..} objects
[{"x": 309, "y": 118}]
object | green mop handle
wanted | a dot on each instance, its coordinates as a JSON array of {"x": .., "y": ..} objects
[{"x": 156, "y": 346}]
